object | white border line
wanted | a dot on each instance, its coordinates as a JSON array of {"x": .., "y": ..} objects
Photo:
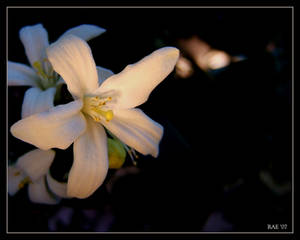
[
  {"x": 293, "y": 137},
  {"x": 6, "y": 133},
  {"x": 150, "y": 7},
  {"x": 161, "y": 233}
]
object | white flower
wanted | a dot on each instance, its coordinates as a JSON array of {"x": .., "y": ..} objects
[
  {"x": 33, "y": 168},
  {"x": 40, "y": 75},
  {"x": 110, "y": 103}
]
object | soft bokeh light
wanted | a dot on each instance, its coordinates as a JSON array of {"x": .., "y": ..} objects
[
  {"x": 184, "y": 68},
  {"x": 216, "y": 59},
  {"x": 206, "y": 57}
]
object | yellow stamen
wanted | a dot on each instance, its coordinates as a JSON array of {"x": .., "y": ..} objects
[
  {"x": 132, "y": 154},
  {"x": 45, "y": 71},
  {"x": 23, "y": 182},
  {"x": 17, "y": 173},
  {"x": 93, "y": 106},
  {"x": 38, "y": 67}
]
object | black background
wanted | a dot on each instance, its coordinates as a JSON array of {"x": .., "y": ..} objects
[{"x": 220, "y": 129}]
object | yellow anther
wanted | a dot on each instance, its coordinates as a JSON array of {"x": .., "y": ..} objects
[
  {"x": 93, "y": 106},
  {"x": 103, "y": 101},
  {"x": 38, "y": 67},
  {"x": 96, "y": 119},
  {"x": 17, "y": 173},
  {"x": 132, "y": 152},
  {"x": 23, "y": 182},
  {"x": 108, "y": 115}
]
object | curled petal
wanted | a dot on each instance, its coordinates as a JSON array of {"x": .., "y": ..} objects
[
  {"x": 136, "y": 81},
  {"x": 35, "y": 41},
  {"x": 57, "y": 128},
  {"x": 36, "y": 101},
  {"x": 38, "y": 193},
  {"x": 58, "y": 188},
  {"x": 137, "y": 130},
  {"x": 90, "y": 164},
  {"x": 21, "y": 75},
  {"x": 84, "y": 31},
  {"x": 15, "y": 177},
  {"x": 72, "y": 58},
  {"x": 36, "y": 163}
]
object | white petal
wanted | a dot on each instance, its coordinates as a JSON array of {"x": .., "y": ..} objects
[
  {"x": 36, "y": 163},
  {"x": 58, "y": 188},
  {"x": 72, "y": 58},
  {"x": 38, "y": 193},
  {"x": 135, "y": 83},
  {"x": 15, "y": 177},
  {"x": 37, "y": 100},
  {"x": 103, "y": 74},
  {"x": 85, "y": 31},
  {"x": 56, "y": 128},
  {"x": 90, "y": 161},
  {"x": 21, "y": 75},
  {"x": 137, "y": 130},
  {"x": 35, "y": 41}
]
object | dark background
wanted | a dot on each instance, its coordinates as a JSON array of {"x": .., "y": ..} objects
[{"x": 222, "y": 129}]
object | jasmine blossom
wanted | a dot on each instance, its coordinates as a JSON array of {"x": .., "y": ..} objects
[
  {"x": 101, "y": 100},
  {"x": 40, "y": 76}
]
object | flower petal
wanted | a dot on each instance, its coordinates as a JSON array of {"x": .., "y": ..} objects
[
  {"x": 57, "y": 128},
  {"x": 71, "y": 57},
  {"x": 137, "y": 130},
  {"x": 36, "y": 101},
  {"x": 103, "y": 74},
  {"x": 38, "y": 193},
  {"x": 135, "y": 83},
  {"x": 85, "y": 31},
  {"x": 21, "y": 75},
  {"x": 15, "y": 177},
  {"x": 90, "y": 162},
  {"x": 58, "y": 188},
  {"x": 36, "y": 163},
  {"x": 35, "y": 41}
]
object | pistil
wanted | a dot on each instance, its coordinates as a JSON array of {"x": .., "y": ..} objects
[{"x": 45, "y": 71}]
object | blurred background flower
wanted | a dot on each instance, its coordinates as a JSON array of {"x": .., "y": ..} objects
[{"x": 225, "y": 161}]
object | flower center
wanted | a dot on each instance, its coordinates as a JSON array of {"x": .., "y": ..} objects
[
  {"x": 45, "y": 71},
  {"x": 95, "y": 107}
]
